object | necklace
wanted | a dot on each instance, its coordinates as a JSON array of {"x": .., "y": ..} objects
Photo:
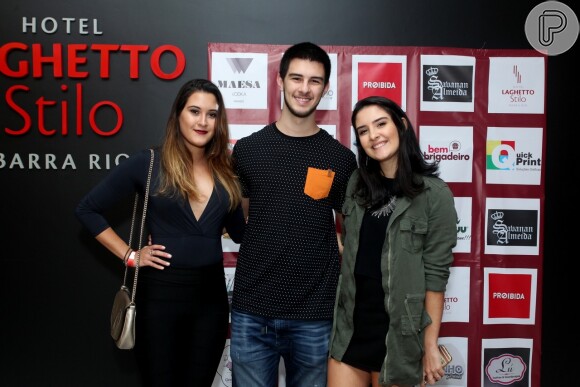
[{"x": 385, "y": 209}]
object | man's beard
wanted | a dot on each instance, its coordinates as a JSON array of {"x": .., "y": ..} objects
[{"x": 299, "y": 114}]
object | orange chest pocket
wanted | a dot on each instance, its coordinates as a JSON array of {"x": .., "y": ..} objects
[{"x": 318, "y": 183}]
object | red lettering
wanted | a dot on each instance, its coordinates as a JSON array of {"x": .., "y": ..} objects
[
  {"x": 64, "y": 113},
  {"x": 38, "y": 60},
  {"x": 79, "y": 109},
  {"x": 5, "y": 50},
  {"x": 105, "y": 50},
  {"x": 21, "y": 112},
  {"x": 41, "y": 103},
  {"x": 74, "y": 60},
  {"x": 156, "y": 59},
  {"x": 94, "y": 125},
  {"x": 134, "y": 51},
  {"x": 43, "y": 106}
]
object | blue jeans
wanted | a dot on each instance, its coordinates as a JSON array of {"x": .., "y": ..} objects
[{"x": 257, "y": 343}]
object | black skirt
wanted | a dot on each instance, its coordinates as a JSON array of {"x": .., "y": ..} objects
[{"x": 182, "y": 325}]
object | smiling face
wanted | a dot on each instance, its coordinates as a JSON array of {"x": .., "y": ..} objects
[
  {"x": 197, "y": 120},
  {"x": 379, "y": 137},
  {"x": 303, "y": 87}
]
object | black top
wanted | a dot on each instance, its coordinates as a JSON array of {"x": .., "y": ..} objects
[
  {"x": 288, "y": 263},
  {"x": 192, "y": 242},
  {"x": 367, "y": 349},
  {"x": 372, "y": 234}
]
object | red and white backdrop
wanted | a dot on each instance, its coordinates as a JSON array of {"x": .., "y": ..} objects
[{"x": 481, "y": 113}]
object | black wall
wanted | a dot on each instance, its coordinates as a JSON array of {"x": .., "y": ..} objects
[{"x": 57, "y": 283}]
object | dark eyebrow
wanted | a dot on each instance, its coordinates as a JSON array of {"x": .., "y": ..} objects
[
  {"x": 321, "y": 79},
  {"x": 374, "y": 121},
  {"x": 198, "y": 108},
  {"x": 302, "y": 76}
]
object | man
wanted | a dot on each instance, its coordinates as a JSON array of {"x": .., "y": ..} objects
[{"x": 293, "y": 176}]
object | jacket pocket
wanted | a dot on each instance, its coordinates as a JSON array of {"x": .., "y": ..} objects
[
  {"x": 412, "y": 321},
  {"x": 413, "y": 233},
  {"x": 318, "y": 183}
]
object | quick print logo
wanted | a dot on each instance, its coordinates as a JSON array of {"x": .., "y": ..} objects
[
  {"x": 451, "y": 152},
  {"x": 448, "y": 83},
  {"x": 512, "y": 227},
  {"x": 502, "y": 155},
  {"x": 552, "y": 27},
  {"x": 239, "y": 65}
]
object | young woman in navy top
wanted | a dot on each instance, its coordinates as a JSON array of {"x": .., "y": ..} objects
[{"x": 182, "y": 323}]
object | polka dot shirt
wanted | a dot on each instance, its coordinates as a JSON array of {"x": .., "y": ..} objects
[{"x": 288, "y": 263}]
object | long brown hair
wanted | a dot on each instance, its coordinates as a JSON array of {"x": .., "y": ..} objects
[{"x": 176, "y": 160}]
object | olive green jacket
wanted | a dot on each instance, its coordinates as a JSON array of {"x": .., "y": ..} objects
[{"x": 416, "y": 257}]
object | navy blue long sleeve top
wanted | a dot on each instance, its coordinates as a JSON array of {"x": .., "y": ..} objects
[{"x": 192, "y": 242}]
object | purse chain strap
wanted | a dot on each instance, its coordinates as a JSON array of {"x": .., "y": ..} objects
[{"x": 131, "y": 232}]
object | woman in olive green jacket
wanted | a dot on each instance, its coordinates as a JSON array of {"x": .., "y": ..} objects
[{"x": 398, "y": 232}]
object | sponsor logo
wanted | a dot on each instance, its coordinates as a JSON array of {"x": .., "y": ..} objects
[
  {"x": 517, "y": 94},
  {"x": 512, "y": 227},
  {"x": 510, "y": 296},
  {"x": 238, "y": 84},
  {"x": 506, "y": 369},
  {"x": 502, "y": 155},
  {"x": 383, "y": 79},
  {"x": 239, "y": 65},
  {"x": 448, "y": 83},
  {"x": 462, "y": 231},
  {"x": 450, "y": 152}
]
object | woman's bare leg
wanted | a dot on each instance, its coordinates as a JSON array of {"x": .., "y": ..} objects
[{"x": 343, "y": 375}]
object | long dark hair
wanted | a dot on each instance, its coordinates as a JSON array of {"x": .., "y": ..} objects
[{"x": 410, "y": 161}]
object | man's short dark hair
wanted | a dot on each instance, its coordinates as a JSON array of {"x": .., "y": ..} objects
[{"x": 308, "y": 51}]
